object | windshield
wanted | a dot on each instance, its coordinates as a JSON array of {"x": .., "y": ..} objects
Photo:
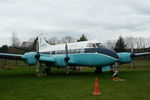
[{"x": 99, "y": 45}]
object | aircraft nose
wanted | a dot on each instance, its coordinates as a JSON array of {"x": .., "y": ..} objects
[{"x": 108, "y": 52}]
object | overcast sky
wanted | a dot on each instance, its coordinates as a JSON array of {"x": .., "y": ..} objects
[{"x": 98, "y": 19}]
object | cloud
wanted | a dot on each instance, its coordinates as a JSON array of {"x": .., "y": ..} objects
[{"x": 98, "y": 19}]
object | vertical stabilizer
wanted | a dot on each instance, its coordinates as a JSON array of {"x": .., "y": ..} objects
[{"x": 42, "y": 43}]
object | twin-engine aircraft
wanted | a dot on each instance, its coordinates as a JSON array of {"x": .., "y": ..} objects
[{"x": 88, "y": 53}]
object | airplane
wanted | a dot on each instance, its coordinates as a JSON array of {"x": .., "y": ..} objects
[{"x": 88, "y": 53}]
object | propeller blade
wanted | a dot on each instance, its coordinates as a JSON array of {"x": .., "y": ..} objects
[
  {"x": 66, "y": 49},
  {"x": 132, "y": 55},
  {"x": 133, "y": 63},
  {"x": 37, "y": 56},
  {"x": 67, "y": 58},
  {"x": 37, "y": 66}
]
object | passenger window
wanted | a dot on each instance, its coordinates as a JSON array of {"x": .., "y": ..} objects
[
  {"x": 72, "y": 51},
  {"x": 81, "y": 50}
]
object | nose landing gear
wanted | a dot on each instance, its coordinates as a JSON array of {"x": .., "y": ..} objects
[{"x": 115, "y": 75}]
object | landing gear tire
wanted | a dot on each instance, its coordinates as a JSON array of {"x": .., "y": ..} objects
[
  {"x": 47, "y": 70},
  {"x": 98, "y": 70}
]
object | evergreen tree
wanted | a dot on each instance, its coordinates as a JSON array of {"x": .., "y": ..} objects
[
  {"x": 4, "y": 49},
  {"x": 120, "y": 45},
  {"x": 82, "y": 38}
]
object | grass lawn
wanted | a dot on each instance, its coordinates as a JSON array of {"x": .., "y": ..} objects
[{"x": 22, "y": 84}]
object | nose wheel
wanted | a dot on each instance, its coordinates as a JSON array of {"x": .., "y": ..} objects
[
  {"x": 115, "y": 75},
  {"x": 98, "y": 70}
]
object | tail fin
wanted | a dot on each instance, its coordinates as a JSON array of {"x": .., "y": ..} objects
[{"x": 42, "y": 43}]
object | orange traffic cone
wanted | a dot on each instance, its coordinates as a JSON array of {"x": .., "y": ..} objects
[{"x": 96, "y": 88}]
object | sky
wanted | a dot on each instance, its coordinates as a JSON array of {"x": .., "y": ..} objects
[{"x": 97, "y": 19}]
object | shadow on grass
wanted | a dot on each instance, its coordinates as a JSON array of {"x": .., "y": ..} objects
[
  {"x": 18, "y": 75},
  {"x": 32, "y": 74}
]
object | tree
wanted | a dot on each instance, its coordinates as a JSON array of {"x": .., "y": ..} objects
[
  {"x": 25, "y": 44},
  {"x": 67, "y": 39},
  {"x": 139, "y": 42},
  {"x": 110, "y": 44},
  {"x": 82, "y": 38},
  {"x": 53, "y": 41},
  {"x": 147, "y": 44},
  {"x": 4, "y": 49},
  {"x": 15, "y": 40},
  {"x": 129, "y": 41},
  {"x": 120, "y": 45}
]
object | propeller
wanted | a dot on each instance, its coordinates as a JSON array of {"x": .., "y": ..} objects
[
  {"x": 67, "y": 58},
  {"x": 132, "y": 56},
  {"x": 37, "y": 56}
]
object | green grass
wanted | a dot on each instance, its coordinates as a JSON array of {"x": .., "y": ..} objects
[{"x": 22, "y": 84}]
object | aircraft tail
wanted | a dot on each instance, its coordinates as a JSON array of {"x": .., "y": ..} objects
[{"x": 42, "y": 43}]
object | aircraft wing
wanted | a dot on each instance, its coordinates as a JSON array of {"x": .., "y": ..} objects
[
  {"x": 11, "y": 56},
  {"x": 29, "y": 58},
  {"x": 141, "y": 54}
]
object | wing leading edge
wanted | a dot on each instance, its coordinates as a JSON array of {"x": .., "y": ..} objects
[
  {"x": 141, "y": 54},
  {"x": 11, "y": 56}
]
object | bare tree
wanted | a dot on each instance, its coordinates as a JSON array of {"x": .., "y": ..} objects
[
  {"x": 110, "y": 44},
  {"x": 53, "y": 41},
  {"x": 25, "y": 44},
  {"x": 129, "y": 42},
  {"x": 139, "y": 42},
  {"x": 147, "y": 42},
  {"x": 15, "y": 40},
  {"x": 68, "y": 39}
]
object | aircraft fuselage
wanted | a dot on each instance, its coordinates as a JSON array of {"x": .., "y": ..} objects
[{"x": 85, "y": 57}]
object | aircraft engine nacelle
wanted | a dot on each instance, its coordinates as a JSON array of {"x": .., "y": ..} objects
[
  {"x": 60, "y": 61},
  {"x": 30, "y": 58},
  {"x": 125, "y": 57}
]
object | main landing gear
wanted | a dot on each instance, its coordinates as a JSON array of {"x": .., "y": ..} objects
[
  {"x": 43, "y": 71},
  {"x": 115, "y": 72},
  {"x": 47, "y": 70}
]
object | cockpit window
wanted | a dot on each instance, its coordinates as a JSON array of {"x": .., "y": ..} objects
[
  {"x": 94, "y": 45},
  {"x": 99, "y": 45},
  {"x": 90, "y": 45}
]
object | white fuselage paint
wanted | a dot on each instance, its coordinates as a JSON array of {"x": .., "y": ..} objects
[{"x": 45, "y": 47}]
